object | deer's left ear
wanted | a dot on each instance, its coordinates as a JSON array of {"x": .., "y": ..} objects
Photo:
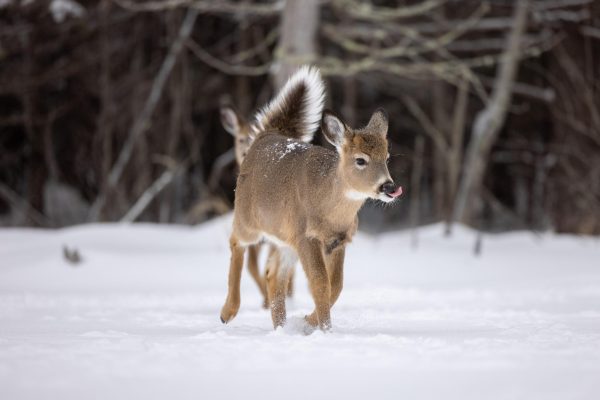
[
  {"x": 334, "y": 129},
  {"x": 379, "y": 122},
  {"x": 230, "y": 120}
]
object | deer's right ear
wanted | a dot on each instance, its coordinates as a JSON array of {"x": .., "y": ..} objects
[
  {"x": 333, "y": 128},
  {"x": 230, "y": 120}
]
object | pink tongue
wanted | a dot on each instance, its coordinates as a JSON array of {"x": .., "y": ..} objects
[{"x": 397, "y": 193}]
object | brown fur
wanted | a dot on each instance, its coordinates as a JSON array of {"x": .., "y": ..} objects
[
  {"x": 305, "y": 199},
  {"x": 241, "y": 130}
]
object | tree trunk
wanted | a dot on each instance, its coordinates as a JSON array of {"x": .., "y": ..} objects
[
  {"x": 489, "y": 121},
  {"x": 440, "y": 165},
  {"x": 415, "y": 194},
  {"x": 454, "y": 158},
  {"x": 297, "y": 46}
]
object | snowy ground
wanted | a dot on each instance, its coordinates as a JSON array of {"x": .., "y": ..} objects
[{"x": 139, "y": 319}]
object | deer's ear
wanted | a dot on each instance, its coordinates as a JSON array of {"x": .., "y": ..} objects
[
  {"x": 379, "y": 122},
  {"x": 333, "y": 128},
  {"x": 230, "y": 120}
]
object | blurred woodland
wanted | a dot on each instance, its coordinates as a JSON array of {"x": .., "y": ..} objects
[{"x": 109, "y": 109}]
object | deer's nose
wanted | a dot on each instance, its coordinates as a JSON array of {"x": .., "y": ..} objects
[{"x": 387, "y": 187}]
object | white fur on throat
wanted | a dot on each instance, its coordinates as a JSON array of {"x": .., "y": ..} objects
[
  {"x": 356, "y": 195},
  {"x": 313, "y": 102}
]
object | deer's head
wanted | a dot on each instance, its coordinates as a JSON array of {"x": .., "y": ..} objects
[
  {"x": 363, "y": 156},
  {"x": 239, "y": 128}
]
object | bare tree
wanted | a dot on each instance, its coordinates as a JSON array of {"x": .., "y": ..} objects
[
  {"x": 489, "y": 121},
  {"x": 297, "y": 45},
  {"x": 90, "y": 106}
]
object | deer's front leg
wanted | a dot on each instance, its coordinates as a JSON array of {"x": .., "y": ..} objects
[
  {"x": 335, "y": 269},
  {"x": 311, "y": 257},
  {"x": 232, "y": 303}
]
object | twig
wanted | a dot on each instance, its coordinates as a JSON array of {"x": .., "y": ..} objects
[
  {"x": 590, "y": 31},
  {"x": 562, "y": 15},
  {"x": 424, "y": 44},
  {"x": 149, "y": 194},
  {"x": 550, "y": 4},
  {"x": 263, "y": 44},
  {"x": 428, "y": 126},
  {"x": 206, "y": 6},
  {"x": 22, "y": 205},
  {"x": 222, "y": 66},
  {"x": 366, "y": 11},
  {"x": 218, "y": 166},
  {"x": 546, "y": 95}
]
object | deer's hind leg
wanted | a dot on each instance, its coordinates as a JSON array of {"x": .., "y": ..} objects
[
  {"x": 290, "y": 282},
  {"x": 253, "y": 251},
  {"x": 279, "y": 264},
  {"x": 232, "y": 303},
  {"x": 275, "y": 290}
]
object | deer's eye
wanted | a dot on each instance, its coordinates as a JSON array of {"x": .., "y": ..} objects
[{"x": 361, "y": 162}]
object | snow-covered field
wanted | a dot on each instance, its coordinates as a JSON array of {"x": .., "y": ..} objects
[{"x": 139, "y": 319}]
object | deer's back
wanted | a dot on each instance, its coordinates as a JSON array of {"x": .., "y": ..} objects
[{"x": 282, "y": 182}]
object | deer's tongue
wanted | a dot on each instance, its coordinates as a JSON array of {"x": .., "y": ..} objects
[{"x": 396, "y": 193}]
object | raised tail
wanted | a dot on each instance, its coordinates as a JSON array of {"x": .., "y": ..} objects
[{"x": 296, "y": 110}]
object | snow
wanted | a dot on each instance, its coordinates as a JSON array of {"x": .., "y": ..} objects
[
  {"x": 278, "y": 150},
  {"x": 61, "y": 9},
  {"x": 291, "y": 147},
  {"x": 139, "y": 318}
]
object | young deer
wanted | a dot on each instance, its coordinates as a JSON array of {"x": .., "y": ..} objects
[
  {"x": 304, "y": 198},
  {"x": 241, "y": 131}
]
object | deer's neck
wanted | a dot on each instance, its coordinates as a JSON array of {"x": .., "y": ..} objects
[{"x": 345, "y": 200}]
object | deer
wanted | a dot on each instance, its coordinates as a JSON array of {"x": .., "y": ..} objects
[
  {"x": 303, "y": 198},
  {"x": 241, "y": 130}
]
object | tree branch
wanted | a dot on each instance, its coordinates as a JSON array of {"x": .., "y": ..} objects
[
  {"x": 207, "y": 6},
  {"x": 224, "y": 67},
  {"x": 149, "y": 194},
  {"x": 366, "y": 11},
  {"x": 428, "y": 126},
  {"x": 24, "y": 207}
]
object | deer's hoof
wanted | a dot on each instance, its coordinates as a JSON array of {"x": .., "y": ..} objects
[
  {"x": 312, "y": 320},
  {"x": 228, "y": 312}
]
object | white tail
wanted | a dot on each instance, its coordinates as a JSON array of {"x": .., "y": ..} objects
[{"x": 296, "y": 111}]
